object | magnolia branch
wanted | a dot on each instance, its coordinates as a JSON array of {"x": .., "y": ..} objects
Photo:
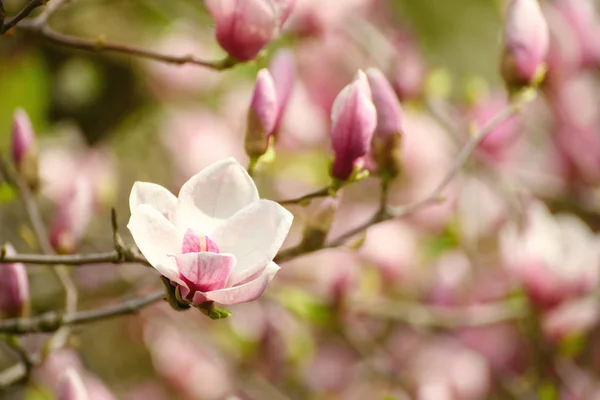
[
  {"x": 29, "y": 7},
  {"x": 434, "y": 197},
  {"x": 100, "y": 45},
  {"x": 53, "y": 321}
]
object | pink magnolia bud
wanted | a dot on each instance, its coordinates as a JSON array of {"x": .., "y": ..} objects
[
  {"x": 71, "y": 386},
  {"x": 14, "y": 288},
  {"x": 388, "y": 134},
  {"x": 283, "y": 71},
  {"x": 526, "y": 42},
  {"x": 72, "y": 218},
  {"x": 261, "y": 115},
  {"x": 24, "y": 147},
  {"x": 353, "y": 121},
  {"x": 244, "y": 27}
]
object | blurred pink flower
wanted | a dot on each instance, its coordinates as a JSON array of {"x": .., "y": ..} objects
[
  {"x": 570, "y": 319},
  {"x": 72, "y": 217},
  {"x": 314, "y": 17},
  {"x": 408, "y": 71},
  {"x": 14, "y": 288},
  {"x": 198, "y": 138},
  {"x": 554, "y": 257},
  {"x": 526, "y": 42},
  {"x": 581, "y": 17},
  {"x": 190, "y": 366},
  {"x": 167, "y": 80},
  {"x": 71, "y": 387},
  {"x": 67, "y": 159},
  {"x": 497, "y": 144},
  {"x": 283, "y": 71},
  {"x": 245, "y": 27},
  {"x": 353, "y": 120},
  {"x": 52, "y": 373},
  {"x": 204, "y": 241},
  {"x": 24, "y": 147},
  {"x": 446, "y": 370}
]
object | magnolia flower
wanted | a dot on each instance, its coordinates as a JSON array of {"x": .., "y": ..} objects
[
  {"x": 14, "y": 287},
  {"x": 24, "y": 147},
  {"x": 245, "y": 27},
  {"x": 526, "y": 43},
  {"x": 353, "y": 121},
  {"x": 216, "y": 240},
  {"x": 555, "y": 257}
]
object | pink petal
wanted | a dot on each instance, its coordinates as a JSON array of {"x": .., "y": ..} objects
[
  {"x": 247, "y": 292},
  {"x": 205, "y": 271}
]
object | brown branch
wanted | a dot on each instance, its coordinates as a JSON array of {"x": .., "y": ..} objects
[
  {"x": 29, "y": 7},
  {"x": 53, "y": 321},
  {"x": 99, "y": 45},
  {"x": 113, "y": 257},
  {"x": 434, "y": 197},
  {"x": 303, "y": 199}
]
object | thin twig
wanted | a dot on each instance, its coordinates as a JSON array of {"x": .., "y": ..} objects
[
  {"x": 99, "y": 45},
  {"x": 434, "y": 197},
  {"x": 29, "y": 7},
  {"x": 302, "y": 199},
  {"x": 52, "y": 321},
  {"x": 113, "y": 257}
]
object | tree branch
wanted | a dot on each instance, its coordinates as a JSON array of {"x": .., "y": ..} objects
[
  {"x": 435, "y": 195},
  {"x": 99, "y": 45},
  {"x": 76, "y": 259},
  {"x": 29, "y": 7},
  {"x": 302, "y": 199},
  {"x": 52, "y": 321}
]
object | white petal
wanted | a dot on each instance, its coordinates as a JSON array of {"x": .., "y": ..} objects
[
  {"x": 217, "y": 192},
  {"x": 154, "y": 195},
  {"x": 254, "y": 235},
  {"x": 247, "y": 292},
  {"x": 156, "y": 237}
]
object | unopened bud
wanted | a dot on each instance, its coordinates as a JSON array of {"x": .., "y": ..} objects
[
  {"x": 387, "y": 140},
  {"x": 526, "y": 43},
  {"x": 261, "y": 115},
  {"x": 353, "y": 121},
  {"x": 14, "y": 288},
  {"x": 24, "y": 148},
  {"x": 283, "y": 71},
  {"x": 245, "y": 27},
  {"x": 319, "y": 223},
  {"x": 71, "y": 386},
  {"x": 72, "y": 218}
]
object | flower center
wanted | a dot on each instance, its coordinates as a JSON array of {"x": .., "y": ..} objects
[{"x": 197, "y": 243}]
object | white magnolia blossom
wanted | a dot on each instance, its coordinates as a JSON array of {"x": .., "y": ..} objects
[
  {"x": 216, "y": 240},
  {"x": 555, "y": 256}
]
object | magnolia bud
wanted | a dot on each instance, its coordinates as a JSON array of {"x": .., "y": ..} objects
[
  {"x": 244, "y": 27},
  {"x": 72, "y": 218},
  {"x": 24, "y": 148},
  {"x": 319, "y": 223},
  {"x": 283, "y": 71},
  {"x": 261, "y": 115},
  {"x": 71, "y": 386},
  {"x": 526, "y": 43},
  {"x": 353, "y": 121},
  {"x": 386, "y": 143},
  {"x": 14, "y": 288}
]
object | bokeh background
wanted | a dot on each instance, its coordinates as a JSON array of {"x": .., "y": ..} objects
[{"x": 390, "y": 316}]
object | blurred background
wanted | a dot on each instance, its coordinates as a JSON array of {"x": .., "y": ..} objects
[{"x": 425, "y": 307}]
